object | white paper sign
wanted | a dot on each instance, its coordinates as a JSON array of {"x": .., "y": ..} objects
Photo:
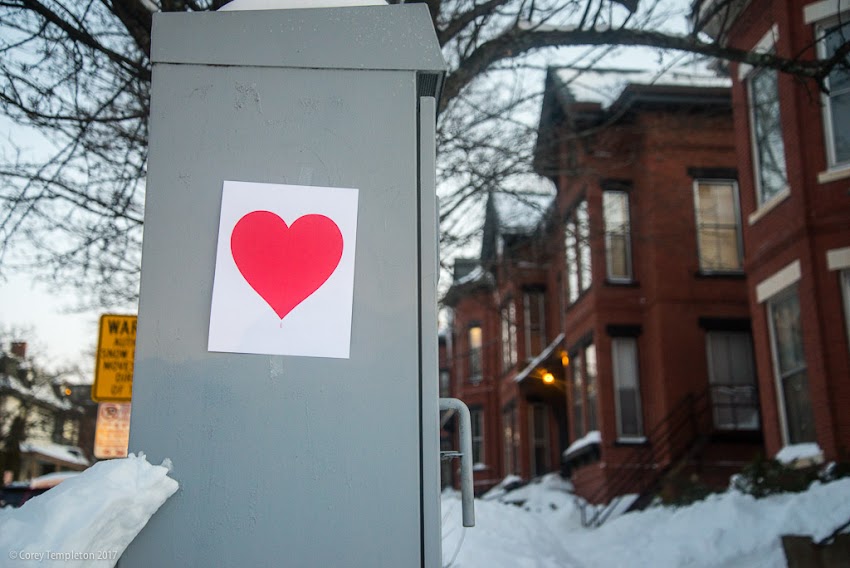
[{"x": 284, "y": 270}]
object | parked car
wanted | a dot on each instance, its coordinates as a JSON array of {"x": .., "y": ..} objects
[{"x": 19, "y": 492}]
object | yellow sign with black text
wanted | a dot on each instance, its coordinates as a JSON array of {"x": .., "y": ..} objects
[{"x": 116, "y": 346}]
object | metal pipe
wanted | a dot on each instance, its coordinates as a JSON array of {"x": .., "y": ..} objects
[{"x": 467, "y": 497}]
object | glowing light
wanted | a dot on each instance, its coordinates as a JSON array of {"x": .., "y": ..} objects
[
  {"x": 548, "y": 378},
  {"x": 565, "y": 359}
]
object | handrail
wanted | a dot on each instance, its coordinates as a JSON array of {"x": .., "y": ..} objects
[
  {"x": 467, "y": 496},
  {"x": 664, "y": 438}
]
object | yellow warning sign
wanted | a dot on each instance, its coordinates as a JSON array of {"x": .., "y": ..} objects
[
  {"x": 116, "y": 346},
  {"x": 112, "y": 435}
]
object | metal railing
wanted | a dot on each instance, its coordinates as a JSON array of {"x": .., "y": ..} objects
[{"x": 676, "y": 439}]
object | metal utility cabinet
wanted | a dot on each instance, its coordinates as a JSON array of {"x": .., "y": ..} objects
[{"x": 290, "y": 460}]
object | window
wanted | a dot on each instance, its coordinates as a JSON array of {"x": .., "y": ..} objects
[
  {"x": 732, "y": 378},
  {"x": 445, "y": 383},
  {"x": 538, "y": 425},
  {"x": 845, "y": 291},
  {"x": 475, "y": 354},
  {"x": 509, "y": 355},
  {"x": 446, "y": 478},
  {"x": 590, "y": 382},
  {"x": 583, "y": 363},
  {"x": 578, "y": 396},
  {"x": 70, "y": 431},
  {"x": 766, "y": 127},
  {"x": 511, "y": 440},
  {"x": 577, "y": 243},
  {"x": 718, "y": 226},
  {"x": 627, "y": 388},
  {"x": 836, "y": 109},
  {"x": 534, "y": 305},
  {"x": 618, "y": 254},
  {"x": 786, "y": 339},
  {"x": 477, "y": 417}
]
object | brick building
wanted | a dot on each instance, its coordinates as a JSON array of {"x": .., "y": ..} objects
[
  {"x": 794, "y": 164},
  {"x": 505, "y": 339},
  {"x": 640, "y": 359},
  {"x": 661, "y": 370}
]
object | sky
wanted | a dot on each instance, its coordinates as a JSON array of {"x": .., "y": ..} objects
[{"x": 56, "y": 336}]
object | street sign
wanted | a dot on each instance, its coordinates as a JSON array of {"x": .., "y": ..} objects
[
  {"x": 112, "y": 434},
  {"x": 116, "y": 346}
]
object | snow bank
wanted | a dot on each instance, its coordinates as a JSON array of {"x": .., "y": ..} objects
[
  {"x": 728, "y": 529},
  {"x": 87, "y": 520},
  {"x": 725, "y": 530}
]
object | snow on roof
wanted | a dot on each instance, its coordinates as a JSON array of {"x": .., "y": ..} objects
[
  {"x": 42, "y": 392},
  {"x": 606, "y": 85},
  {"x": 539, "y": 359},
  {"x": 800, "y": 452},
  {"x": 592, "y": 437},
  {"x": 68, "y": 454},
  {"x": 521, "y": 211}
]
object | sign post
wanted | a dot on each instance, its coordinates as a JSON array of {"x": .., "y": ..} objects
[
  {"x": 116, "y": 346},
  {"x": 286, "y": 359}
]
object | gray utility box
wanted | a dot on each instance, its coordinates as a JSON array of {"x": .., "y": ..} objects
[{"x": 292, "y": 460}]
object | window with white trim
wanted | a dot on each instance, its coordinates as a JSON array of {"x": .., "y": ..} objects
[
  {"x": 534, "y": 304},
  {"x": 624, "y": 354},
  {"x": 771, "y": 177},
  {"x": 577, "y": 244},
  {"x": 845, "y": 292},
  {"x": 445, "y": 383},
  {"x": 618, "y": 248},
  {"x": 718, "y": 226},
  {"x": 786, "y": 338},
  {"x": 584, "y": 390},
  {"x": 732, "y": 379},
  {"x": 511, "y": 439},
  {"x": 836, "y": 109},
  {"x": 509, "y": 340},
  {"x": 475, "y": 342},
  {"x": 476, "y": 416}
]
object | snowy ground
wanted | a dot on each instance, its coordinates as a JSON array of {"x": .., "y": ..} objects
[
  {"x": 728, "y": 530},
  {"x": 538, "y": 525}
]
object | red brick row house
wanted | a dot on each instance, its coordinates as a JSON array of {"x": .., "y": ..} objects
[
  {"x": 614, "y": 335},
  {"x": 501, "y": 324},
  {"x": 794, "y": 173}
]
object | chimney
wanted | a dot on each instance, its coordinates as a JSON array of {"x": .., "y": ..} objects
[{"x": 19, "y": 349}]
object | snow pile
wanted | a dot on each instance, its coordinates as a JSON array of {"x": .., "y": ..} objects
[
  {"x": 87, "y": 520},
  {"x": 809, "y": 452},
  {"x": 592, "y": 437},
  {"x": 729, "y": 529}
]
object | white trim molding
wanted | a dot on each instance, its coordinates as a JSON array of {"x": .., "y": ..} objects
[
  {"x": 764, "y": 45},
  {"x": 768, "y": 206},
  {"x": 834, "y": 175},
  {"x": 838, "y": 259},
  {"x": 776, "y": 283},
  {"x": 817, "y": 11}
]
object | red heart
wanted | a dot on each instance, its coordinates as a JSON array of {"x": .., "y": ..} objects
[{"x": 285, "y": 265}]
